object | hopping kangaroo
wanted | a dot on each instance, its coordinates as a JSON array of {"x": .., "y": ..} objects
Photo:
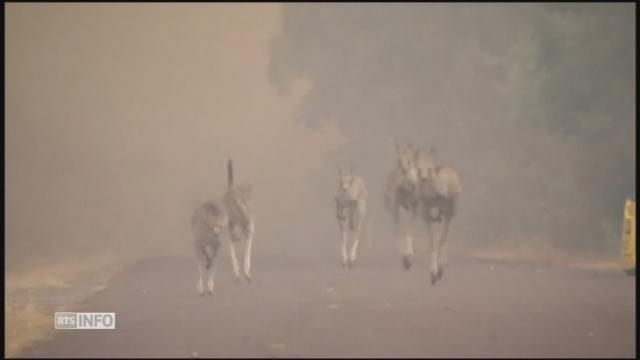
[
  {"x": 402, "y": 200},
  {"x": 208, "y": 221},
  {"x": 440, "y": 192},
  {"x": 351, "y": 206},
  {"x": 241, "y": 222}
]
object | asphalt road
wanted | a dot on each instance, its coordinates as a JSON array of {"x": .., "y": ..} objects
[{"x": 297, "y": 308}]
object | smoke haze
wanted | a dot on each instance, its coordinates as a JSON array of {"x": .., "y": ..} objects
[
  {"x": 533, "y": 104},
  {"x": 119, "y": 117}
]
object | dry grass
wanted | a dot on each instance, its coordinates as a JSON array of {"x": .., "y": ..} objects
[
  {"x": 25, "y": 323},
  {"x": 28, "y": 317}
]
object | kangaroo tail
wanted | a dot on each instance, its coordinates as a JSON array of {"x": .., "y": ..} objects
[{"x": 229, "y": 173}]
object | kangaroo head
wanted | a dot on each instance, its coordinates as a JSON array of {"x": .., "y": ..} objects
[
  {"x": 215, "y": 217},
  {"x": 406, "y": 156},
  {"x": 346, "y": 178},
  {"x": 428, "y": 166}
]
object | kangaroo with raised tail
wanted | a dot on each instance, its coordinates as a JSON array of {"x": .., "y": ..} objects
[{"x": 237, "y": 203}]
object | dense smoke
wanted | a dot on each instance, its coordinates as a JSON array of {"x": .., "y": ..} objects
[
  {"x": 533, "y": 104},
  {"x": 119, "y": 117}
]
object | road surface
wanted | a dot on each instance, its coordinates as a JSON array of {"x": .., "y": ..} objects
[{"x": 318, "y": 309}]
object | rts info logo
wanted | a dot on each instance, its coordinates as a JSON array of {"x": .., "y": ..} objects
[{"x": 85, "y": 320}]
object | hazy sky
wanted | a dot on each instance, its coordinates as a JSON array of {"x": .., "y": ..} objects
[
  {"x": 119, "y": 117},
  {"x": 534, "y": 105}
]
